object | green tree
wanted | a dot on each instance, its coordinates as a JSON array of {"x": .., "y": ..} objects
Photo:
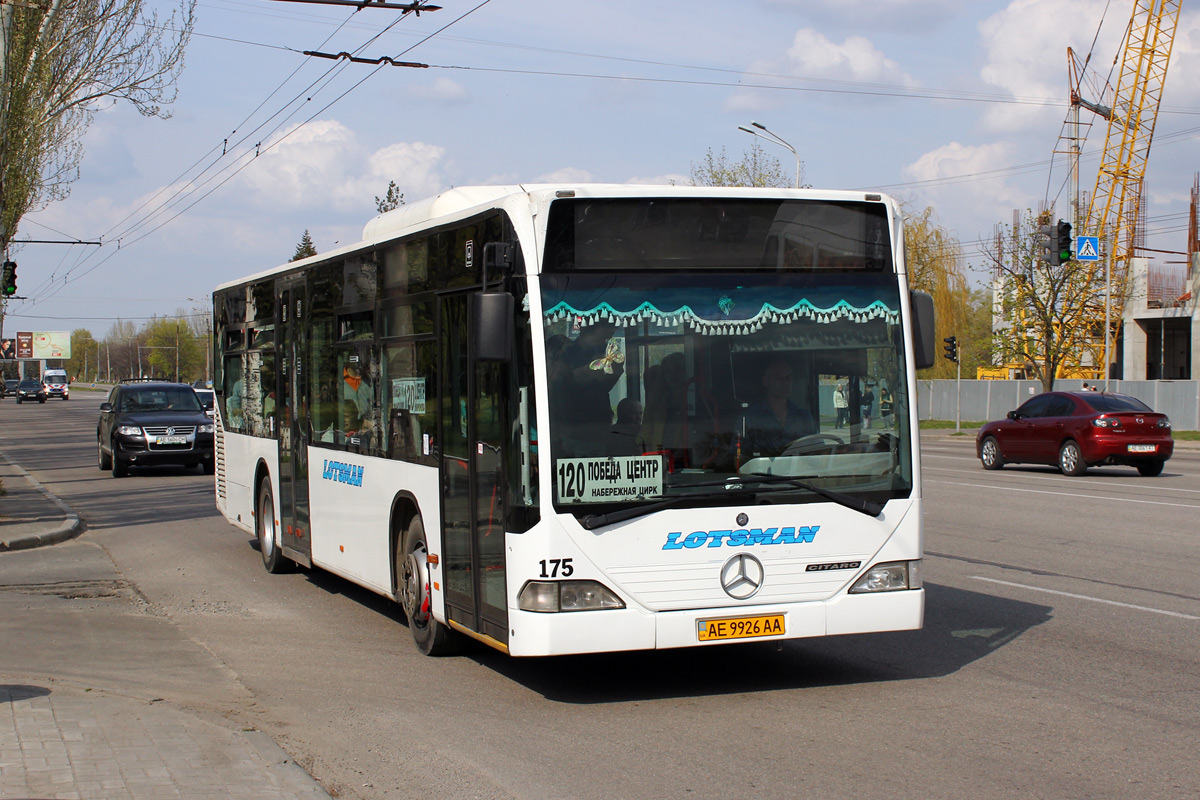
[
  {"x": 83, "y": 360},
  {"x": 934, "y": 260},
  {"x": 755, "y": 168},
  {"x": 305, "y": 248},
  {"x": 391, "y": 200},
  {"x": 60, "y": 63},
  {"x": 171, "y": 350}
]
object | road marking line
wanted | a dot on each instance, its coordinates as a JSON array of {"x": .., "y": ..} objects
[
  {"x": 1041, "y": 476},
  {"x": 1085, "y": 597},
  {"x": 1066, "y": 494}
]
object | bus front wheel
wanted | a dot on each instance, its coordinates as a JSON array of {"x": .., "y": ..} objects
[
  {"x": 412, "y": 575},
  {"x": 264, "y": 529}
]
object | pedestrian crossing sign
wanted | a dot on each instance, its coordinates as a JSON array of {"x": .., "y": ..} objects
[{"x": 1087, "y": 248}]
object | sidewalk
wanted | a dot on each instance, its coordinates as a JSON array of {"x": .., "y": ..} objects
[{"x": 59, "y": 739}]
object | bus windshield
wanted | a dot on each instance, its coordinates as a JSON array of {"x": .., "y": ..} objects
[{"x": 663, "y": 384}]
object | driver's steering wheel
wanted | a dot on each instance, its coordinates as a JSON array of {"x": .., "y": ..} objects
[{"x": 812, "y": 444}]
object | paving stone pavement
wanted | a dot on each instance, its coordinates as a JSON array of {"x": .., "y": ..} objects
[
  {"x": 61, "y": 741},
  {"x": 69, "y": 744}
]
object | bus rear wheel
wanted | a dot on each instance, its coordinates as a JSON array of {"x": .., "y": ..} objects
[{"x": 412, "y": 577}]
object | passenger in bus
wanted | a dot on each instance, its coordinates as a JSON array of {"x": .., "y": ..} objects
[
  {"x": 769, "y": 425},
  {"x": 358, "y": 399},
  {"x": 625, "y": 437},
  {"x": 665, "y": 426}
]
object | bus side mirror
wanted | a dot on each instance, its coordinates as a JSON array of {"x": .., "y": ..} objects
[
  {"x": 924, "y": 340},
  {"x": 493, "y": 325}
]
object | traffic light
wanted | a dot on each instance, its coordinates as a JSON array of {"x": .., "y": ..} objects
[
  {"x": 1047, "y": 251},
  {"x": 1063, "y": 242},
  {"x": 9, "y": 281},
  {"x": 951, "y": 348}
]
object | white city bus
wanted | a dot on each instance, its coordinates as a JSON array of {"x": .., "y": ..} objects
[{"x": 569, "y": 419}]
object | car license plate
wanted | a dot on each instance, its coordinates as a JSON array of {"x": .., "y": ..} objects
[
  {"x": 171, "y": 440},
  {"x": 1142, "y": 448},
  {"x": 709, "y": 630}
]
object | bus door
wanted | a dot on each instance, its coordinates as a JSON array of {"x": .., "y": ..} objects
[
  {"x": 474, "y": 437},
  {"x": 292, "y": 424}
]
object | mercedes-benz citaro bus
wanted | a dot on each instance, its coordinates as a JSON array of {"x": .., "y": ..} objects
[{"x": 572, "y": 419}]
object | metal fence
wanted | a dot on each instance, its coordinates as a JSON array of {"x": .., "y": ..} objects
[{"x": 979, "y": 401}]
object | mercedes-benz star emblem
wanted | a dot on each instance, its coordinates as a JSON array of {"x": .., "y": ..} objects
[{"x": 742, "y": 576}]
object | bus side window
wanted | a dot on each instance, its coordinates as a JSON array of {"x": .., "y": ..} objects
[
  {"x": 358, "y": 411},
  {"x": 408, "y": 415},
  {"x": 235, "y": 392}
]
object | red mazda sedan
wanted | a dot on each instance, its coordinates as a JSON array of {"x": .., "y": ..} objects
[{"x": 1077, "y": 430}]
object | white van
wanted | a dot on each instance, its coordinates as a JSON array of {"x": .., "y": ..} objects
[{"x": 57, "y": 384}]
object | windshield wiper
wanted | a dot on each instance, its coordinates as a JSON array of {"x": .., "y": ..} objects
[{"x": 868, "y": 507}]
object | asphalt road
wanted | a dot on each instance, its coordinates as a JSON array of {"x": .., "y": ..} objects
[{"x": 1059, "y": 657}]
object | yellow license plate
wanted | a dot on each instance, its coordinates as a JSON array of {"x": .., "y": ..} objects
[{"x": 709, "y": 630}]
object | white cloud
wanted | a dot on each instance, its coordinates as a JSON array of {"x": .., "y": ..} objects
[
  {"x": 324, "y": 165},
  {"x": 962, "y": 203},
  {"x": 813, "y": 56},
  {"x": 1024, "y": 47},
  {"x": 416, "y": 167}
]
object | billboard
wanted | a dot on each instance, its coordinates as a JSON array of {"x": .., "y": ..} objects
[{"x": 37, "y": 345}]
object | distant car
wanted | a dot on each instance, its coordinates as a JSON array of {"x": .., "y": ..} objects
[
  {"x": 9, "y": 387},
  {"x": 57, "y": 384},
  {"x": 31, "y": 389},
  {"x": 151, "y": 423},
  {"x": 1077, "y": 430},
  {"x": 208, "y": 399}
]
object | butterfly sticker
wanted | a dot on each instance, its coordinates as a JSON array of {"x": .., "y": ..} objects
[{"x": 612, "y": 355}]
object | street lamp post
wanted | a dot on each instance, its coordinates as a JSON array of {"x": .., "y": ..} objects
[{"x": 774, "y": 139}]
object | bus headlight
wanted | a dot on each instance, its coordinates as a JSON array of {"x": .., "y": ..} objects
[
  {"x": 889, "y": 577},
  {"x": 550, "y": 596}
]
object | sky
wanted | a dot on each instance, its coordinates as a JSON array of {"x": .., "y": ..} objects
[{"x": 953, "y": 105}]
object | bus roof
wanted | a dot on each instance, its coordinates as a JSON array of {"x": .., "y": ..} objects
[{"x": 466, "y": 201}]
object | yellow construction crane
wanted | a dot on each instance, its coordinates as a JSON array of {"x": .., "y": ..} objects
[{"x": 1112, "y": 207}]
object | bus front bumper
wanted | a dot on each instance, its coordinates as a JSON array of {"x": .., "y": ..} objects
[{"x": 539, "y": 634}]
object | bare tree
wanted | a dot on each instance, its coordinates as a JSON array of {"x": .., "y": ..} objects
[
  {"x": 60, "y": 62},
  {"x": 1045, "y": 307},
  {"x": 756, "y": 168}
]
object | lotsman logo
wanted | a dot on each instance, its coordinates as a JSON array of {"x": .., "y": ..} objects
[
  {"x": 741, "y": 538},
  {"x": 350, "y": 474}
]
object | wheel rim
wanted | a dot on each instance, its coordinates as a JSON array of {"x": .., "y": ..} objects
[
  {"x": 413, "y": 591},
  {"x": 989, "y": 452},
  {"x": 266, "y": 525},
  {"x": 1070, "y": 457}
]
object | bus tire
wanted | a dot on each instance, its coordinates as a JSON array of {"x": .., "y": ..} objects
[
  {"x": 264, "y": 529},
  {"x": 412, "y": 578}
]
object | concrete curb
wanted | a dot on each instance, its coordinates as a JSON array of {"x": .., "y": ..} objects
[{"x": 69, "y": 528}]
